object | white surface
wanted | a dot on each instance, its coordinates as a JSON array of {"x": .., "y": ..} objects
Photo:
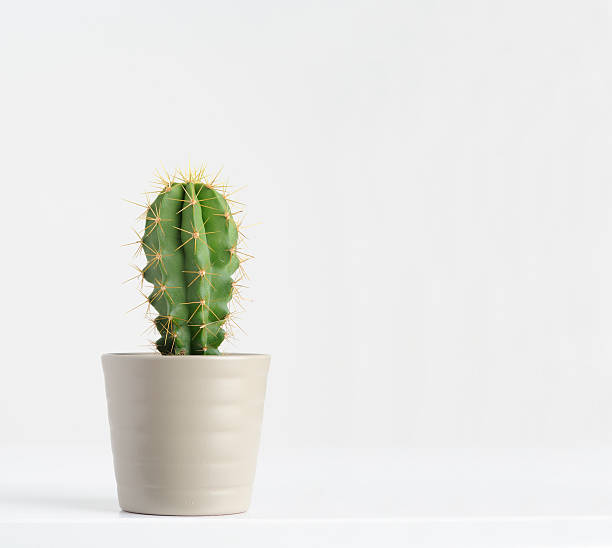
[
  {"x": 64, "y": 496},
  {"x": 432, "y": 181}
]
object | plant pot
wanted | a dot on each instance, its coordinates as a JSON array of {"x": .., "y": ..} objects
[{"x": 185, "y": 430}]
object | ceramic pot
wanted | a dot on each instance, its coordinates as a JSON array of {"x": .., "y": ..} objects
[{"x": 185, "y": 430}]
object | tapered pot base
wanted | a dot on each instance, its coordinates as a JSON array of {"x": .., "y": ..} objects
[{"x": 181, "y": 503}]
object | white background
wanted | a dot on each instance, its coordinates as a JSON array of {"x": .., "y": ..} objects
[{"x": 431, "y": 182}]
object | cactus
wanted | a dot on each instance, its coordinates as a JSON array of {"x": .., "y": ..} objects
[{"x": 190, "y": 242}]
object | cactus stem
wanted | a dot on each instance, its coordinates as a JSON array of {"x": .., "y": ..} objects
[
  {"x": 158, "y": 258},
  {"x": 152, "y": 250},
  {"x": 195, "y": 236},
  {"x": 192, "y": 203},
  {"x": 205, "y": 214},
  {"x": 203, "y": 305},
  {"x": 173, "y": 337},
  {"x": 169, "y": 328},
  {"x": 163, "y": 290},
  {"x": 156, "y": 220},
  {"x": 200, "y": 274},
  {"x": 193, "y": 231},
  {"x": 200, "y": 328}
]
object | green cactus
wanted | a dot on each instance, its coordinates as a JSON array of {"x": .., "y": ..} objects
[{"x": 190, "y": 242}]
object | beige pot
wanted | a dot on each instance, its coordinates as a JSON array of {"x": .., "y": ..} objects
[{"x": 185, "y": 430}]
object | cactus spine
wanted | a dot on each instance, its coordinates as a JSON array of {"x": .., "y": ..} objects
[{"x": 190, "y": 241}]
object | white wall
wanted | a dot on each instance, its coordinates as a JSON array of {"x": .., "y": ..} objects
[{"x": 432, "y": 181}]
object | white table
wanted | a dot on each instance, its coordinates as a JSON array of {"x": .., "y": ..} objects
[{"x": 64, "y": 495}]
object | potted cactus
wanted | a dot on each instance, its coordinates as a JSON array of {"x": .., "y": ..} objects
[{"x": 185, "y": 420}]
